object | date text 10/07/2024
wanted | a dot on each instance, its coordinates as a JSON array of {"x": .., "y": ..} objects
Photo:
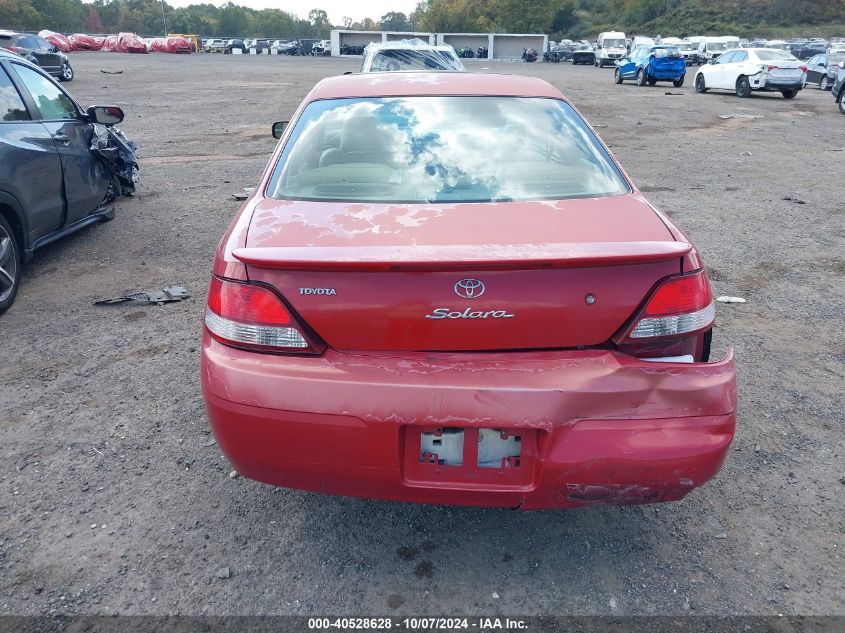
[{"x": 418, "y": 624}]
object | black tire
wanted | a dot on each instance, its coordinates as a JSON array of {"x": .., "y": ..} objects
[
  {"x": 789, "y": 94},
  {"x": 642, "y": 78},
  {"x": 743, "y": 87},
  {"x": 652, "y": 81},
  {"x": 700, "y": 86},
  {"x": 841, "y": 102},
  {"x": 678, "y": 82},
  {"x": 617, "y": 76},
  {"x": 10, "y": 265},
  {"x": 67, "y": 72},
  {"x": 824, "y": 83}
]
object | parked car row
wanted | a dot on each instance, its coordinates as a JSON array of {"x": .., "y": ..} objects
[
  {"x": 268, "y": 47},
  {"x": 741, "y": 70}
]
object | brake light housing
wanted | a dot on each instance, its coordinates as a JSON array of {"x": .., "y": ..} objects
[
  {"x": 254, "y": 317},
  {"x": 674, "y": 320}
]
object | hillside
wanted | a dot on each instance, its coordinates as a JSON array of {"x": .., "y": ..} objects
[{"x": 586, "y": 18}]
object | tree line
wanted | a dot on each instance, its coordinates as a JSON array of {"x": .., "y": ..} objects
[
  {"x": 586, "y": 18},
  {"x": 558, "y": 18}
]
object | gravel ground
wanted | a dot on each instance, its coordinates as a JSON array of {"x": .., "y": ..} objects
[{"x": 115, "y": 499}]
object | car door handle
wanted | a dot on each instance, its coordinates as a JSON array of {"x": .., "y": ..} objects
[{"x": 61, "y": 138}]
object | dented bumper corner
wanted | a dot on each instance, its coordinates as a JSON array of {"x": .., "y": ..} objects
[{"x": 590, "y": 427}]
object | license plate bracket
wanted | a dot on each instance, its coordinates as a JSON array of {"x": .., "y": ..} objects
[{"x": 461, "y": 457}]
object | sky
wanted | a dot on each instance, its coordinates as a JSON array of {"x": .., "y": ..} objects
[{"x": 337, "y": 9}]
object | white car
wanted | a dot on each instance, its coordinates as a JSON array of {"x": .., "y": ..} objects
[
  {"x": 413, "y": 54},
  {"x": 745, "y": 69},
  {"x": 212, "y": 44}
]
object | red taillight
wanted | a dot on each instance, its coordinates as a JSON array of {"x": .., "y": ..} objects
[
  {"x": 680, "y": 295},
  {"x": 254, "y": 317},
  {"x": 14, "y": 49},
  {"x": 679, "y": 306},
  {"x": 771, "y": 67},
  {"x": 803, "y": 69}
]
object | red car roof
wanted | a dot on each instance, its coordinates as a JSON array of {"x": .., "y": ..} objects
[{"x": 396, "y": 84}]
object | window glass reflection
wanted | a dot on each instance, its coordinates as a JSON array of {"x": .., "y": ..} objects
[{"x": 431, "y": 149}]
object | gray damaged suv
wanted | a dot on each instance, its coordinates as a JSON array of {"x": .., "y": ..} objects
[{"x": 50, "y": 182}]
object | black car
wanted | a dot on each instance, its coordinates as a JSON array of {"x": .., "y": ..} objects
[
  {"x": 51, "y": 184},
  {"x": 838, "y": 90},
  {"x": 811, "y": 49},
  {"x": 817, "y": 72},
  {"x": 584, "y": 55},
  {"x": 38, "y": 51},
  {"x": 230, "y": 45}
]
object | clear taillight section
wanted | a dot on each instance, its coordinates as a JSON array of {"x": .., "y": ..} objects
[
  {"x": 674, "y": 325},
  {"x": 254, "y": 317}
]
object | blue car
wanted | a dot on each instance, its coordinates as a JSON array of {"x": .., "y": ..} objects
[{"x": 650, "y": 64}]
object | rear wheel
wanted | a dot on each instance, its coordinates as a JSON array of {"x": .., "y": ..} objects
[
  {"x": 617, "y": 76},
  {"x": 67, "y": 72},
  {"x": 699, "y": 84},
  {"x": 10, "y": 264},
  {"x": 641, "y": 77},
  {"x": 743, "y": 87},
  {"x": 789, "y": 94},
  {"x": 841, "y": 101},
  {"x": 678, "y": 82},
  {"x": 824, "y": 83}
]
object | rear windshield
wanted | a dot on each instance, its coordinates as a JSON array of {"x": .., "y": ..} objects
[
  {"x": 716, "y": 46},
  {"x": 774, "y": 55},
  {"x": 433, "y": 149},
  {"x": 614, "y": 43}
]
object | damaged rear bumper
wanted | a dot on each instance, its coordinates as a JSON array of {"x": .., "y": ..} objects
[{"x": 590, "y": 427}]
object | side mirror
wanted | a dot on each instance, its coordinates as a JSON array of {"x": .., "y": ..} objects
[
  {"x": 279, "y": 128},
  {"x": 105, "y": 115}
]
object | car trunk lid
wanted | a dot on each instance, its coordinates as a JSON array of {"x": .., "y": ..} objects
[{"x": 515, "y": 275}]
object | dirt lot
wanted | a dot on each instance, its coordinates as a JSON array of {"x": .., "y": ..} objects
[{"x": 114, "y": 498}]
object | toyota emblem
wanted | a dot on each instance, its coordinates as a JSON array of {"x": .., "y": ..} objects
[{"x": 469, "y": 288}]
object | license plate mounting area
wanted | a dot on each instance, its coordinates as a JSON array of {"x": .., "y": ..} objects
[{"x": 469, "y": 457}]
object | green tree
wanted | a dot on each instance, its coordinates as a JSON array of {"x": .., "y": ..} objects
[
  {"x": 394, "y": 21},
  {"x": 20, "y": 15}
]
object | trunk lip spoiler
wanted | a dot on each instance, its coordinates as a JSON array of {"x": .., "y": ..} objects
[{"x": 460, "y": 257}]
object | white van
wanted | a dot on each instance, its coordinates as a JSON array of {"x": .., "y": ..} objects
[
  {"x": 732, "y": 41},
  {"x": 641, "y": 40},
  {"x": 609, "y": 47},
  {"x": 710, "y": 48}
]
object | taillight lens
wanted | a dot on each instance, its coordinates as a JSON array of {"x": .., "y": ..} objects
[
  {"x": 253, "y": 317},
  {"x": 680, "y": 305}
]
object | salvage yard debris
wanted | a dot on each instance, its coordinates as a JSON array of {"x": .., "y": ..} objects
[
  {"x": 741, "y": 116},
  {"x": 726, "y": 299},
  {"x": 167, "y": 294}
]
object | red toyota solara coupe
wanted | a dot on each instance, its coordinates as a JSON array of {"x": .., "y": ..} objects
[{"x": 446, "y": 290}]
